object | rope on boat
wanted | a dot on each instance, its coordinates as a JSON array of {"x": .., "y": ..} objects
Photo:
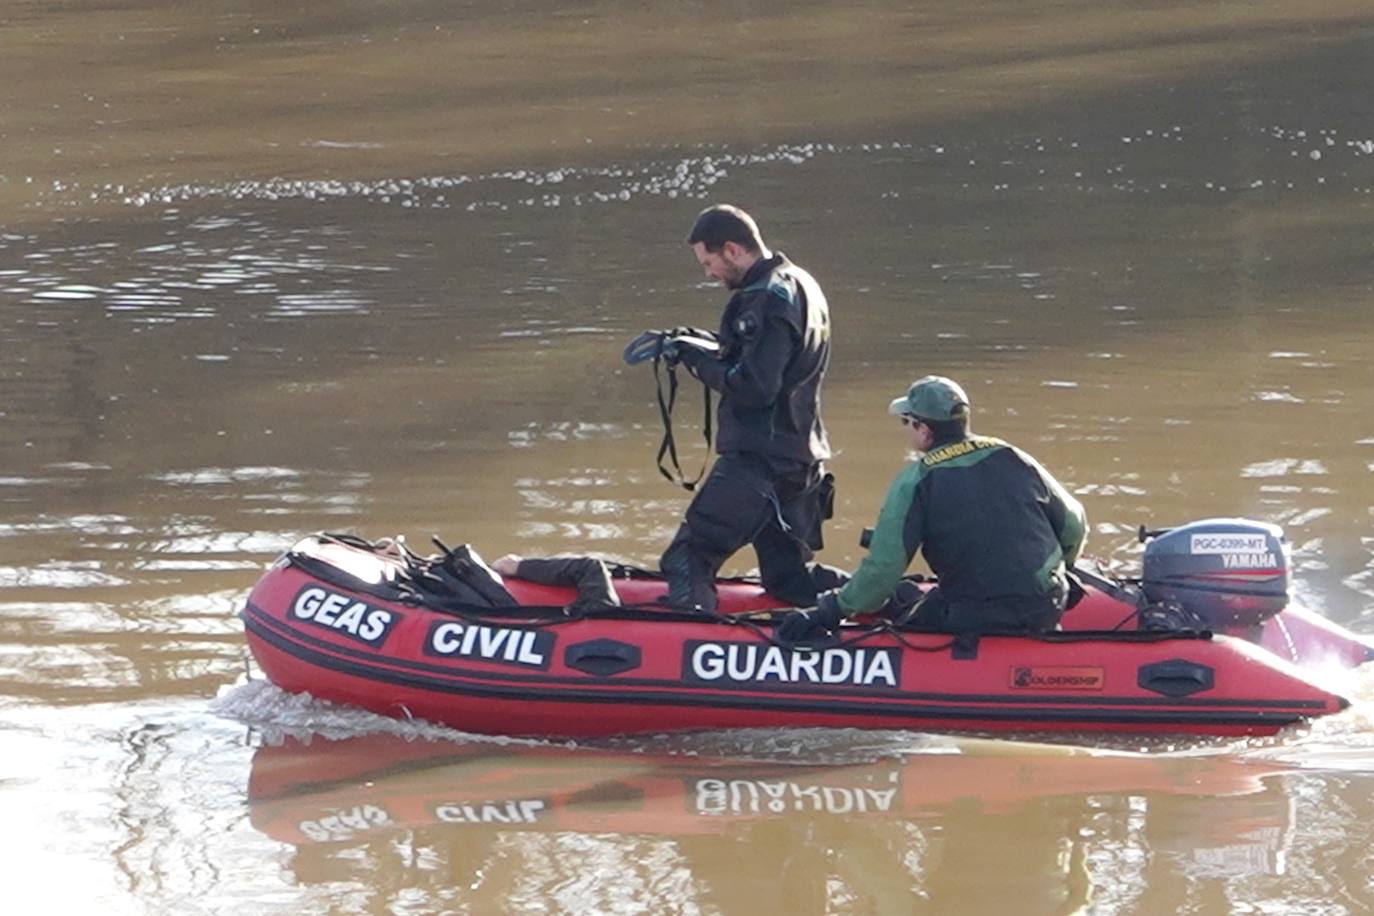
[{"x": 409, "y": 589}]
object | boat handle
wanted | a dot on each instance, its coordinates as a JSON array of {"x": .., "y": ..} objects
[
  {"x": 1176, "y": 678},
  {"x": 602, "y": 657}
]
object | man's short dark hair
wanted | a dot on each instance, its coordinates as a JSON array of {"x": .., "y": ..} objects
[
  {"x": 942, "y": 431},
  {"x": 725, "y": 223}
]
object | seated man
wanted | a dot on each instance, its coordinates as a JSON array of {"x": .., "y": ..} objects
[{"x": 996, "y": 529}]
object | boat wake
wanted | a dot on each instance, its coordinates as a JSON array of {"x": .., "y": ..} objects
[
  {"x": 277, "y": 715},
  {"x": 1342, "y": 742}
]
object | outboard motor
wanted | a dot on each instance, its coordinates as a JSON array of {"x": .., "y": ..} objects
[{"x": 1229, "y": 572}]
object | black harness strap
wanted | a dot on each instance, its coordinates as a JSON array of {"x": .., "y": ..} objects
[{"x": 669, "y": 445}]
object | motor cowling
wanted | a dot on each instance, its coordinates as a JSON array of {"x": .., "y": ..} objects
[{"x": 1231, "y": 572}]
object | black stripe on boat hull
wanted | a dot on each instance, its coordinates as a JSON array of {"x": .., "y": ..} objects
[
  {"x": 1283, "y": 713},
  {"x": 297, "y": 637}
]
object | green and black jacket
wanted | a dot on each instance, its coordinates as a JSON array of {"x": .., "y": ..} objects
[{"x": 990, "y": 521}]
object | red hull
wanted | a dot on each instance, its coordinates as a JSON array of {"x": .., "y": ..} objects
[{"x": 661, "y": 672}]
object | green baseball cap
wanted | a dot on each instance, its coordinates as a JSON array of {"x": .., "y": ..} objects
[{"x": 932, "y": 398}]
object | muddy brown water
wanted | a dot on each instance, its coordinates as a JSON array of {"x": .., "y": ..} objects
[{"x": 369, "y": 267}]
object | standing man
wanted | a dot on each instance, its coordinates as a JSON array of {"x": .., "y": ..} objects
[
  {"x": 995, "y": 527},
  {"x": 768, "y": 487}
]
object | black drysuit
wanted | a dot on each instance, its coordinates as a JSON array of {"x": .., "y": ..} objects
[{"x": 768, "y": 487}]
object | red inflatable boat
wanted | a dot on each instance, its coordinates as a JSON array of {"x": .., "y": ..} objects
[{"x": 329, "y": 619}]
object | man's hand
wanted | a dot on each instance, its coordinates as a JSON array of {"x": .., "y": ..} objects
[
  {"x": 685, "y": 353},
  {"x": 508, "y": 564},
  {"x": 814, "y": 624},
  {"x": 698, "y": 356}
]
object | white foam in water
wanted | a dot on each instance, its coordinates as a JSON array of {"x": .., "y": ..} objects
[
  {"x": 800, "y": 746},
  {"x": 278, "y": 715},
  {"x": 202, "y": 476},
  {"x": 1344, "y": 741},
  {"x": 64, "y": 293}
]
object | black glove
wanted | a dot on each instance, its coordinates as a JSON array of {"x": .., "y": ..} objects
[
  {"x": 814, "y": 624},
  {"x": 1076, "y": 590},
  {"x": 686, "y": 354}
]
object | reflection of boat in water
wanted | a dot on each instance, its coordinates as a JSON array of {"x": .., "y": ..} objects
[
  {"x": 951, "y": 825},
  {"x": 335, "y": 791},
  {"x": 341, "y": 622}
]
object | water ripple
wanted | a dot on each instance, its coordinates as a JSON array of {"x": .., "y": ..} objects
[
  {"x": 187, "y": 279},
  {"x": 1159, "y": 160}
]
